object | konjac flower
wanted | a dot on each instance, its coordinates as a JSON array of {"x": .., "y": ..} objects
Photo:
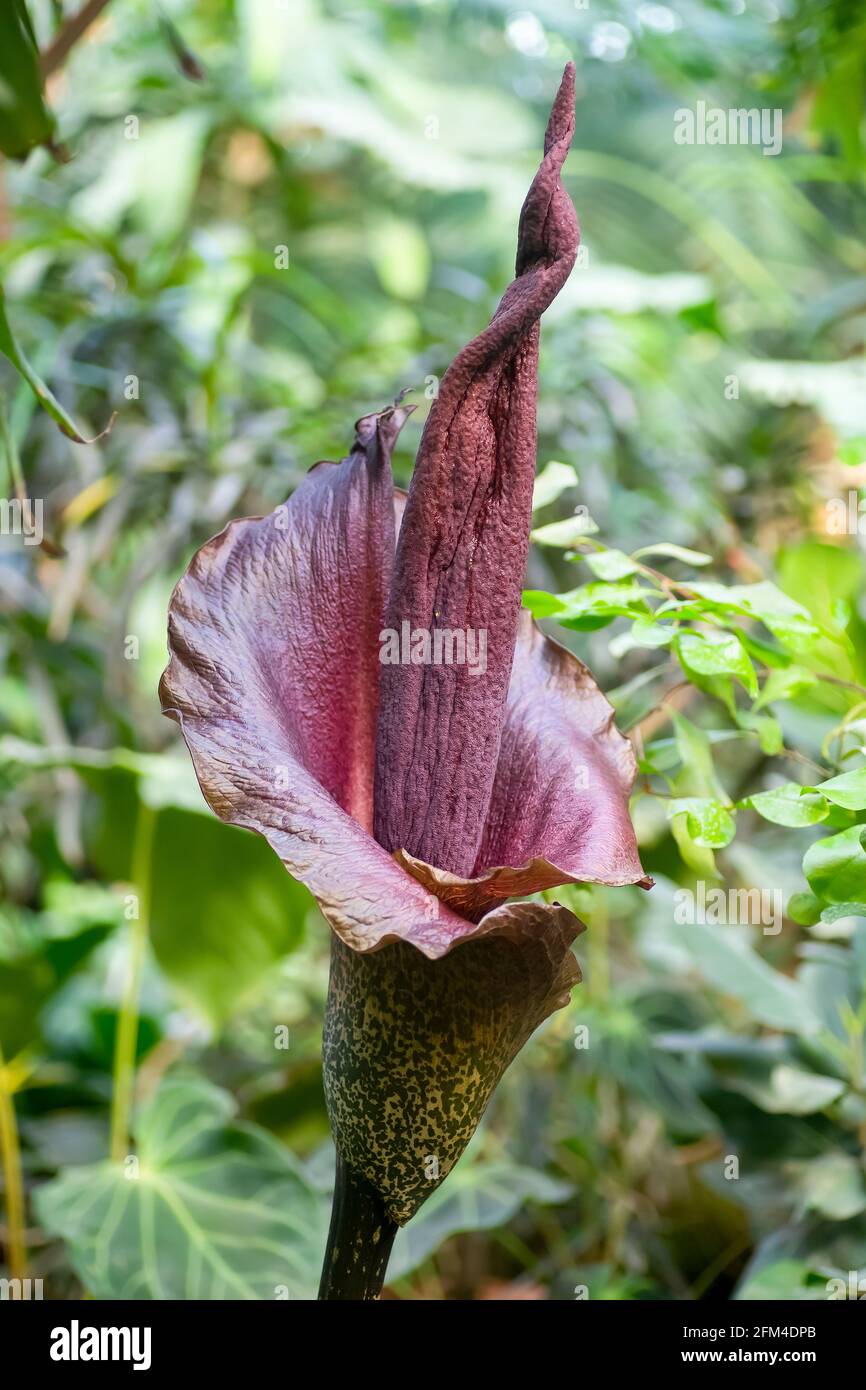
[{"x": 414, "y": 796}]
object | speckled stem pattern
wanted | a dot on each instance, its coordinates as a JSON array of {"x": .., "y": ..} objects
[{"x": 414, "y": 1048}]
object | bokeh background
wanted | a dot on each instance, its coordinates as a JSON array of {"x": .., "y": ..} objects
[{"x": 276, "y": 215}]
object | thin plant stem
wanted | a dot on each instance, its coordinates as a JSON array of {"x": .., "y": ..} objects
[
  {"x": 68, "y": 35},
  {"x": 13, "y": 1187},
  {"x": 10, "y": 449},
  {"x": 127, "y": 1023}
]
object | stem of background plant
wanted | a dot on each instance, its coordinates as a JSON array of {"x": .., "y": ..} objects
[
  {"x": 13, "y": 1188},
  {"x": 13, "y": 462},
  {"x": 68, "y": 34},
  {"x": 127, "y": 1022}
]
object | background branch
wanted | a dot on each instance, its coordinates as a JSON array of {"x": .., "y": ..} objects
[{"x": 69, "y": 34}]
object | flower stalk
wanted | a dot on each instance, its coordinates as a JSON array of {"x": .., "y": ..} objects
[{"x": 359, "y": 1241}]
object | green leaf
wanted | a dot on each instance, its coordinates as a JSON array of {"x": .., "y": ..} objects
[
  {"x": 847, "y": 790},
  {"x": 26, "y": 985},
  {"x": 675, "y": 552},
  {"x": 38, "y": 953},
  {"x": 781, "y": 1281},
  {"x": 804, "y": 908},
  {"x": 10, "y": 348},
  {"x": 771, "y": 740},
  {"x": 698, "y": 774},
  {"x": 792, "y": 1091},
  {"x": 554, "y": 479},
  {"x": 716, "y": 654},
  {"x": 836, "y": 867},
  {"x": 710, "y": 824},
  {"x": 610, "y": 564},
  {"x": 209, "y": 1208},
  {"x": 224, "y": 911},
  {"x": 832, "y": 1185},
  {"x": 729, "y": 963},
  {"x": 597, "y": 604},
  {"x": 644, "y": 632},
  {"x": 25, "y": 121},
  {"x": 766, "y": 651},
  {"x": 541, "y": 604},
  {"x": 837, "y": 101},
  {"x": 838, "y": 911},
  {"x": 564, "y": 535},
  {"x": 788, "y": 621},
  {"x": 789, "y": 804},
  {"x": 785, "y": 683},
  {"x": 478, "y": 1196},
  {"x": 699, "y": 858},
  {"x": 828, "y": 580}
]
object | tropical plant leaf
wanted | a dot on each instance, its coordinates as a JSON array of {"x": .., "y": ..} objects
[
  {"x": 478, "y": 1196},
  {"x": 207, "y": 1208}
]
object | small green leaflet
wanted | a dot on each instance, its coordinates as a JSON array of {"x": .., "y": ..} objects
[
  {"x": 644, "y": 632},
  {"x": 765, "y": 726},
  {"x": 709, "y": 823},
  {"x": 554, "y": 479},
  {"x": 791, "y": 1091},
  {"x": 564, "y": 535},
  {"x": 716, "y": 653},
  {"x": 591, "y": 606},
  {"x": 788, "y": 621},
  {"x": 832, "y": 1185},
  {"x": 785, "y": 684},
  {"x": 610, "y": 564},
  {"x": 674, "y": 552},
  {"x": 789, "y": 804},
  {"x": 836, "y": 867},
  {"x": 848, "y": 790},
  {"x": 793, "y": 805}
]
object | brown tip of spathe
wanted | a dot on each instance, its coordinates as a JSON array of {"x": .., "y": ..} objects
[{"x": 561, "y": 123}]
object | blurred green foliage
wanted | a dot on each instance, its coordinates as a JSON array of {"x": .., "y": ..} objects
[{"x": 275, "y": 217}]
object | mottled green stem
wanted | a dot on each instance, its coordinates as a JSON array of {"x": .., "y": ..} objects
[{"x": 359, "y": 1241}]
